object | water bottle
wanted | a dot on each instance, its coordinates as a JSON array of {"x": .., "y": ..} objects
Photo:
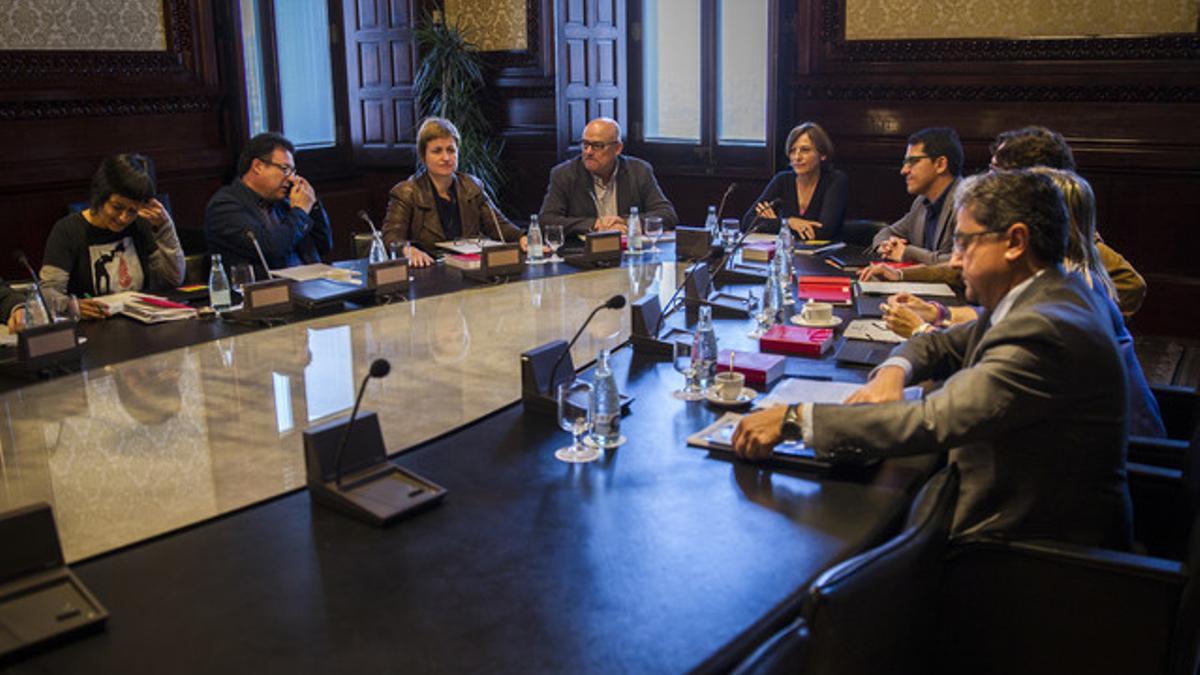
[
  {"x": 633, "y": 230},
  {"x": 534, "y": 240},
  {"x": 711, "y": 224},
  {"x": 704, "y": 349},
  {"x": 36, "y": 311},
  {"x": 218, "y": 286},
  {"x": 606, "y": 404},
  {"x": 783, "y": 254},
  {"x": 778, "y": 281},
  {"x": 378, "y": 251}
]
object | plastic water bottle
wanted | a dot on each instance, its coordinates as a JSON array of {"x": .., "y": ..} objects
[
  {"x": 704, "y": 349},
  {"x": 633, "y": 230},
  {"x": 711, "y": 224},
  {"x": 378, "y": 252},
  {"x": 218, "y": 286},
  {"x": 606, "y": 404},
  {"x": 778, "y": 281},
  {"x": 36, "y": 311},
  {"x": 534, "y": 240},
  {"x": 783, "y": 254}
]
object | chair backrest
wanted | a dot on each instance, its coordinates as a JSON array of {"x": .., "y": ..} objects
[
  {"x": 196, "y": 267},
  {"x": 362, "y": 244},
  {"x": 877, "y": 612},
  {"x": 782, "y": 653},
  {"x": 861, "y": 232}
]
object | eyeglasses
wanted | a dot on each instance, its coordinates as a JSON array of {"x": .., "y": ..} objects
[
  {"x": 598, "y": 146},
  {"x": 963, "y": 240},
  {"x": 912, "y": 160},
  {"x": 288, "y": 171}
]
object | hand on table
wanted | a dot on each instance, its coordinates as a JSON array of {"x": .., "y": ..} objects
[
  {"x": 417, "y": 257},
  {"x": 758, "y": 433},
  {"x": 608, "y": 223},
  {"x": 804, "y": 229},
  {"x": 16, "y": 320},
  {"x": 92, "y": 309},
  {"x": 875, "y": 271}
]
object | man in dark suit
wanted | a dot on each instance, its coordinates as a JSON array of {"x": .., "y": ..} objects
[
  {"x": 274, "y": 203},
  {"x": 595, "y": 191},
  {"x": 931, "y": 168},
  {"x": 1033, "y": 407}
]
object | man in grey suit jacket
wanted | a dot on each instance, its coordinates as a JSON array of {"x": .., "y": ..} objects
[
  {"x": 1033, "y": 408},
  {"x": 931, "y": 168},
  {"x": 594, "y": 191}
]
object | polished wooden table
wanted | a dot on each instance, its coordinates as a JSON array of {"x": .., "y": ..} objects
[{"x": 184, "y": 503}]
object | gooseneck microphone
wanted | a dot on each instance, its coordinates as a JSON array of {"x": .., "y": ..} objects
[
  {"x": 495, "y": 221},
  {"x": 615, "y": 302},
  {"x": 37, "y": 283},
  {"x": 672, "y": 305},
  {"x": 721, "y": 209},
  {"x": 379, "y": 368},
  {"x": 261, "y": 258},
  {"x": 370, "y": 223}
]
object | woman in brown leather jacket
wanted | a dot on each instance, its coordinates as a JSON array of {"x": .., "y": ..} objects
[{"x": 439, "y": 202}]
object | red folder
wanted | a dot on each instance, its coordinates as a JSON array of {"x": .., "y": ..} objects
[
  {"x": 796, "y": 340},
  {"x": 760, "y": 369},
  {"x": 825, "y": 289}
]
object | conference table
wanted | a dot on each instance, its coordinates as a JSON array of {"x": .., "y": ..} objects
[{"x": 174, "y": 464}]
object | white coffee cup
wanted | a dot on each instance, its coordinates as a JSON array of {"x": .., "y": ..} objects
[
  {"x": 730, "y": 384},
  {"x": 817, "y": 312}
]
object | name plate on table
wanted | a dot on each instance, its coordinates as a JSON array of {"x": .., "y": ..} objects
[
  {"x": 501, "y": 260},
  {"x": 602, "y": 245},
  {"x": 692, "y": 243},
  {"x": 267, "y": 296},
  {"x": 388, "y": 277},
  {"x": 48, "y": 344}
]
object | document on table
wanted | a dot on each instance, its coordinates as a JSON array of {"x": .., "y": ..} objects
[
  {"x": 466, "y": 246},
  {"x": 318, "y": 271},
  {"x": 799, "y": 390},
  {"x": 937, "y": 290},
  {"x": 868, "y": 329}
]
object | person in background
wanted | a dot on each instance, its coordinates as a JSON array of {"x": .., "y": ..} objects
[
  {"x": 932, "y": 169},
  {"x": 124, "y": 241},
  {"x": 906, "y": 314},
  {"x": 1022, "y": 149},
  {"x": 274, "y": 203},
  {"x": 1033, "y": 408},
  {"x": 594, "y": 192},
  {"x": 439, "y": 202},
  {"x": 812, "y": 193}
]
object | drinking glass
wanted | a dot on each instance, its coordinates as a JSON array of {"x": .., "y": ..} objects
[
  {"x": 575, "y": 416},
  {"x": 554, "y": 240},
  {"x": 684, "y": 365},
  {"x": 66, "y": 307},
  {"x": 240, "y": 275},
  {"x": 653, "y": 228},
  {"x": 397, "y": 248},
  {"x": 730, "y": 229}
]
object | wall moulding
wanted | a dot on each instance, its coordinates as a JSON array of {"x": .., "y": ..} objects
[
  {"x": 179, "y": 59},
  {"x": 104, "y": 107},
  {"x": 999, "y": 93},
  {"x": 1134, "y": 48}
]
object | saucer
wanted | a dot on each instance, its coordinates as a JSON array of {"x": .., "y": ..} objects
[
  {"x": 712, "y": 396},
  {"x": 833, "y": 321}
]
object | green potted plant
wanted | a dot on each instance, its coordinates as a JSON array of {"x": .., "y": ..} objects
[{"x": 450, "y": 83}]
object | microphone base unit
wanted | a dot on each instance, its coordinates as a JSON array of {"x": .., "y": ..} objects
[
  {"x": 373, "y": 489},
  {"x": 585, "y": 261},
  {"x": 43, "y": 351},
  {"x": 742, "y": 273},
  {"x": 695, "y": 243},
  {"x": 723, "y": 307},
  {"x": 42, "y": 601},
  {"x": 538, "y": 393},
  {"x": 645, "y": 318}
]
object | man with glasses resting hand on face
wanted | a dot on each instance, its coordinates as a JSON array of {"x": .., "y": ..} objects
[
  {"x": 594, "y": 192},
  {"x": 1033, "y": 407},
  {"x": 932, "y": 167},
  {"x": 273, "y": 202}
]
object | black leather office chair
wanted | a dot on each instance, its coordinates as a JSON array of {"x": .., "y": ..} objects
[
  {"x": 1165, "y": 487},
  {"x": 861, "y": 232},
  {"x": 1032, "y": 608},
  {"x": 196, "y": 268},
  {"x": 876, "y": 612}
]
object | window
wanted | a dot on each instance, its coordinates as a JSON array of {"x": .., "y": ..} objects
[
  {"x": 288, "y": 66},
  {"x": 705, "y": 76}
]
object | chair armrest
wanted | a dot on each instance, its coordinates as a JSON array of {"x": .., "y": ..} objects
[
  {"x": 1041, "y": 607},
  {"x": 1166, "y": 452},
  {"x": 1179, "y": 406}
]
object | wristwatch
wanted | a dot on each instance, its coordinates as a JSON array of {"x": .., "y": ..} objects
[{"x": 792, "y": 431}]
